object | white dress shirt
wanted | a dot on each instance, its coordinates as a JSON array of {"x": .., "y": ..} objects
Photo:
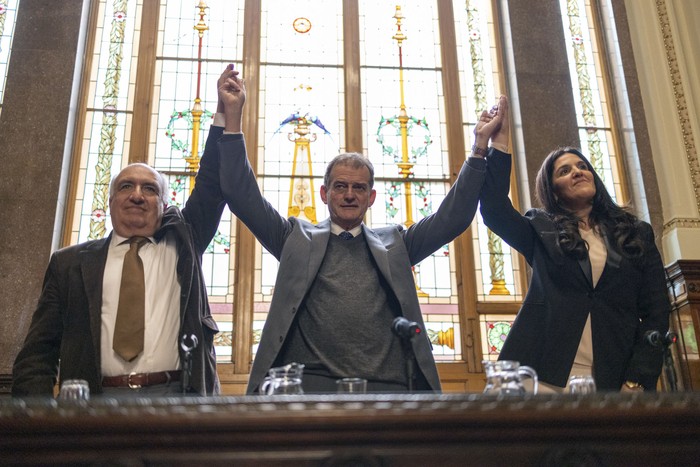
[{"x": 162, "y": 307}]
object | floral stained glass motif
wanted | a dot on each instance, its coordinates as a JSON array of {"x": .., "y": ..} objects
[
  {"x": 495, "y": 329},
  {"x": 8, "y": 17}
]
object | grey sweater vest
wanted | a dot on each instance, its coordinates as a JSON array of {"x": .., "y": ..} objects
[{"x": 343, "y": 328}]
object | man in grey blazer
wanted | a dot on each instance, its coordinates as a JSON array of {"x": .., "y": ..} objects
[{"x": 335, "y": 300}]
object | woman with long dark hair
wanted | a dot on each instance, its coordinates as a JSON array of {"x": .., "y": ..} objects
[{"x": 598, "y": 286}]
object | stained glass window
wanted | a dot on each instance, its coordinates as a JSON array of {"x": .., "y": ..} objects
[
  {"x": 301, "y": 118},
  {"x": 496, "y": 264},
  {"x": 401, "y": 77},
  {"x": 8, "y": 17},
  {"x": 301, "y": 89},
  {"x": 194, "y": 46},
  {"x": 589, "y": 90},
  {"x": 186, "y": 69},
  {"x": 108, "y": 116}
]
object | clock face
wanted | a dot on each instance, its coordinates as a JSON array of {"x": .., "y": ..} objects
[{"x": 302, "y": 25}]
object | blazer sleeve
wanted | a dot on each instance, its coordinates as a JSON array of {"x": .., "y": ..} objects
[
  {"x": 206, "y": 203},
  {"x": 244, "y": 198},
  {"x": 452, "y": 217},
  {"x": 497, "y": 209},
  {"x": 653, "y": 308},
  {"x": 35, "y": 370}
]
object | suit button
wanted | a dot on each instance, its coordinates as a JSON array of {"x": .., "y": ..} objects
[
  {"x": 294, "y": 309},
  {"x": 281, "y": 339}
]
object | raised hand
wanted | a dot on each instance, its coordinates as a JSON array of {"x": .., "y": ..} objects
[
  {"x": 493, "y": 124},
  {"x": 228, "y": 72},
  {"x": 501, "y": 137},
  {"x": 232, "y": 95}
]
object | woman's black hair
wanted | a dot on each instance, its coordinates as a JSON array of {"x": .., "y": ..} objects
[{"x": 613, "y": 220}]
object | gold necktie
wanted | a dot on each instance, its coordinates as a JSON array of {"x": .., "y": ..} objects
[{"x": 128, "y": 328}]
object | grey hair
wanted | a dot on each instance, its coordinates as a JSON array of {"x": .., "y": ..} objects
[
  {"x": 160, "y": 178},
  {"x": 354, "y": 160}
]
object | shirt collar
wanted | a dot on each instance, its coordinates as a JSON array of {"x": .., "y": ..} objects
[
  {"x": 119, "y": 240},
  {"x": 336, "y": 229}
]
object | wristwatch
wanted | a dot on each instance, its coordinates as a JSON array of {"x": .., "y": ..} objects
[
  {"x": 480, "y": 151},
  {"x": 633, "y": 385}
]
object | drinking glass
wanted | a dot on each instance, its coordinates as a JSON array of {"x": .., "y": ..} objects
[
  {"x": 74, "y": 390},
  {"x": 581, "y": 384},
  {"x": 505, "y": 378},
  {"x": 352, "y": 385}
]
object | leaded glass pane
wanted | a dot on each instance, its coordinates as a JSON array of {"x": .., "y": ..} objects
[
  {"x": 8, "y": 16},
  {"x": 494, "y": 329},
  {"x": 442, "y": 326}
]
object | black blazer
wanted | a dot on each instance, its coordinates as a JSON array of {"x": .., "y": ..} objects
[{"x": 629, "y": 299}]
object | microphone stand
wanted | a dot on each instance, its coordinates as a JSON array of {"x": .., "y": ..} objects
[
  {"x": 656, "y": 340},
  {"x": 410, "y": 359},
  {"x": 669, "y": 367},
  {"x": 187, "y": 363},
  {"x": 670, "y": 338},
  {"x": 406, "y": 331}
]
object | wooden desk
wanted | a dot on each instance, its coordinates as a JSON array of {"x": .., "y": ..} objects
[{"x": 366, "y": 430}]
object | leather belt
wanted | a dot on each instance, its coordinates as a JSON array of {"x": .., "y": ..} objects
[{"x": 137, "y": 380}]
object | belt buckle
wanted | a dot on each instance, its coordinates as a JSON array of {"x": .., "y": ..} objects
[{"x": 131, "y": 385}]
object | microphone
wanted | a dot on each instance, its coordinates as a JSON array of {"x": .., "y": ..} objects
[
  {"x": 404, "y": 328},
  {"x": 656, "y": 339}
]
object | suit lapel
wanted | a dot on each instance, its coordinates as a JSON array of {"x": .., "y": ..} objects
[
  {"x": 317, "y": 249},
  {"x": 379, "y": 253},
  {"x": 585, "y": 264},
  {"x": 92, "y": 266},
  {"x": 548, "y": 235},
  {"x": 614, "y": 258},
  {"x": 550, "y": 239}
]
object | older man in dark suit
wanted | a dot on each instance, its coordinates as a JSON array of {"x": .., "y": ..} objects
[{"x": 74, "y": 327}]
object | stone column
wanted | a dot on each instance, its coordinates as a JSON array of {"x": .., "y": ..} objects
[{"x": 547, "y": 114}]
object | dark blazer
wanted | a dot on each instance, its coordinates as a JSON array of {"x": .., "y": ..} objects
[
  {"x": 66, "y": 326},
  {"x": 629, "y": 299},
  {"x": 300, "y": 247}
]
